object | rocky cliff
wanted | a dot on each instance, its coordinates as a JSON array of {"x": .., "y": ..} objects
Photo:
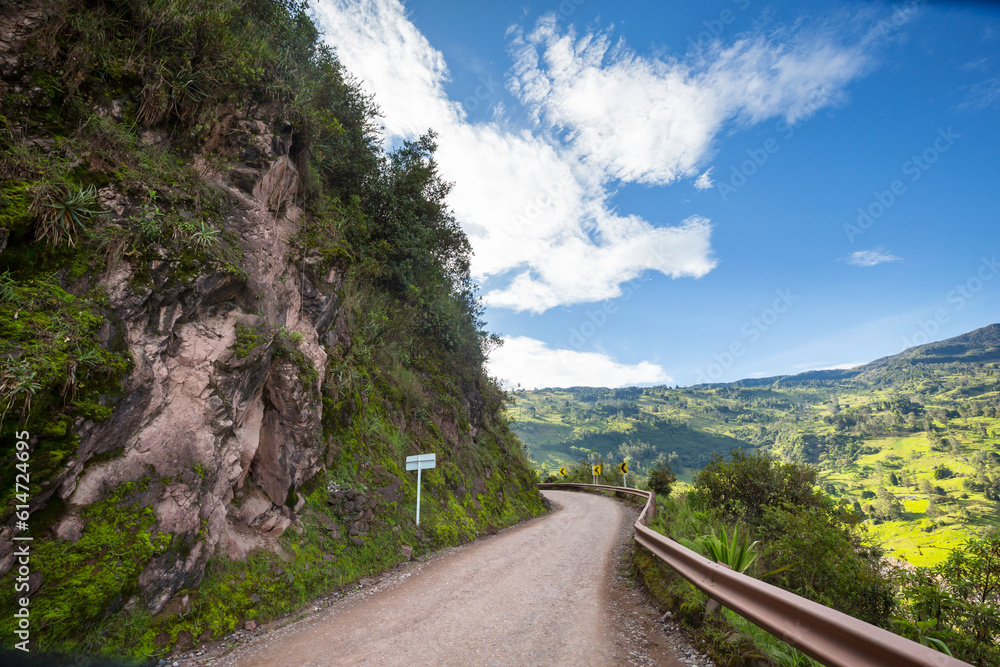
[{"x": 225, "y": 319}]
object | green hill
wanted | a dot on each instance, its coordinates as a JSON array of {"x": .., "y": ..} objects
[{"x": 922, "y": 425}]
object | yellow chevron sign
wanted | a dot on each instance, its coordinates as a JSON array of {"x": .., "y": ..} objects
[
  {"x": 562, "y": 472},
  {"x": 624, "y": 468},
  {"x": 597, "y": 470}
]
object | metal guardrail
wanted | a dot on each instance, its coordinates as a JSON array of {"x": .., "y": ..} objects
[{"x": 827, "y": 635}]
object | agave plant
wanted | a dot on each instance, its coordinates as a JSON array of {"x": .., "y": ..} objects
[
  {"x": 738, "y": 557},
  {"x": 65, "y": 214}
]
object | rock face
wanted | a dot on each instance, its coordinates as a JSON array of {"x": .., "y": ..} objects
[{"x": 225, "y": 438}]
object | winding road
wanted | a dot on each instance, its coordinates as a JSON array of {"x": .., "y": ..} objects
[{"x": 546, "y": 592}]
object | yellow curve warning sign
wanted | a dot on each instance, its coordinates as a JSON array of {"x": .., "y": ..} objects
[
  {"x": 562, "y": 472},
  {"x": 624, "y": 468},
  {"x": 597, "y": 470}
]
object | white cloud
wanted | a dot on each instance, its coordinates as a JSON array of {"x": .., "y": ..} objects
[
  {"x": 653, "y": 120},
  {"x": 379, "y": 46},
  {"x": 982, "y": 95},
  {"x": 578, "y": 271},
  {"x": 536, "y": 206},
  {"x": 705, "y": 181},
  {"x": 533, "y": 364},
  {"x": 871, "y": 257}
]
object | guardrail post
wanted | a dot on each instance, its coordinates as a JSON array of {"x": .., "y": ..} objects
[{"x": 712, "y": 606}]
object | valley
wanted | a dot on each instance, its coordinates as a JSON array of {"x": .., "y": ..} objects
[{"x": 911, "y": 441}]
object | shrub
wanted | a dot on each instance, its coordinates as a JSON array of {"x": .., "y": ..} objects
[
  {"x": 826, "y": 561},
  {"x": 743, "y": 487},
  {"x": 956, "y": 602}
]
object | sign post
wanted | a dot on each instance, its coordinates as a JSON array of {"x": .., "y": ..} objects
[
  {"x": 418, "y": 463},
  {"x": 562, "y": 472},
  {"x": 597, "y": 472},
  {"x": 624, "y": 468}
]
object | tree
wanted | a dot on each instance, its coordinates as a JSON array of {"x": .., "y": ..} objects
[
  {"x": 958, "y": 600},
  {"x": 661, "y": 481},
  {"x": 933, "y": 510},
  {"x": 886, "y": 504}
]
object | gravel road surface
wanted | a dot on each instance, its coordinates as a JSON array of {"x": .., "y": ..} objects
[{"x": 547, "y": 592}]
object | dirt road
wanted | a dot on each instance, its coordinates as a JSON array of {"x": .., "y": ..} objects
[{"x": 538, "y": 594}]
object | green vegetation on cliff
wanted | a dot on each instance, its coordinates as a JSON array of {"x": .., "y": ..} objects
[{"x": 122, "y": 124}]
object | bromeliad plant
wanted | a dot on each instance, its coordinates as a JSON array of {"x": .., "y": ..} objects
[{"x": 65, "y": 213}]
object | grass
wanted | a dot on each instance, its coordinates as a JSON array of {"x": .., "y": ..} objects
[
  {"x": 917, "y": 537},
  {"x": 779, "y": 652}
]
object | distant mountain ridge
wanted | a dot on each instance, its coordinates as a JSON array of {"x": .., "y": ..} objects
[{"x": 979, "y": 346}]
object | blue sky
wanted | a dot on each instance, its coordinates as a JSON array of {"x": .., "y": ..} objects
[{"x": 688, "y": 192}]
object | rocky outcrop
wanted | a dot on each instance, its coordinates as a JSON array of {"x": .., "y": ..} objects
[
  {"x": 224, "y": 439},
  {"x": 19, "y": 20}
]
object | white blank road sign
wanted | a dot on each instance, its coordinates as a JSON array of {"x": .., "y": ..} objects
[{"x": 421, "y": 461}]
